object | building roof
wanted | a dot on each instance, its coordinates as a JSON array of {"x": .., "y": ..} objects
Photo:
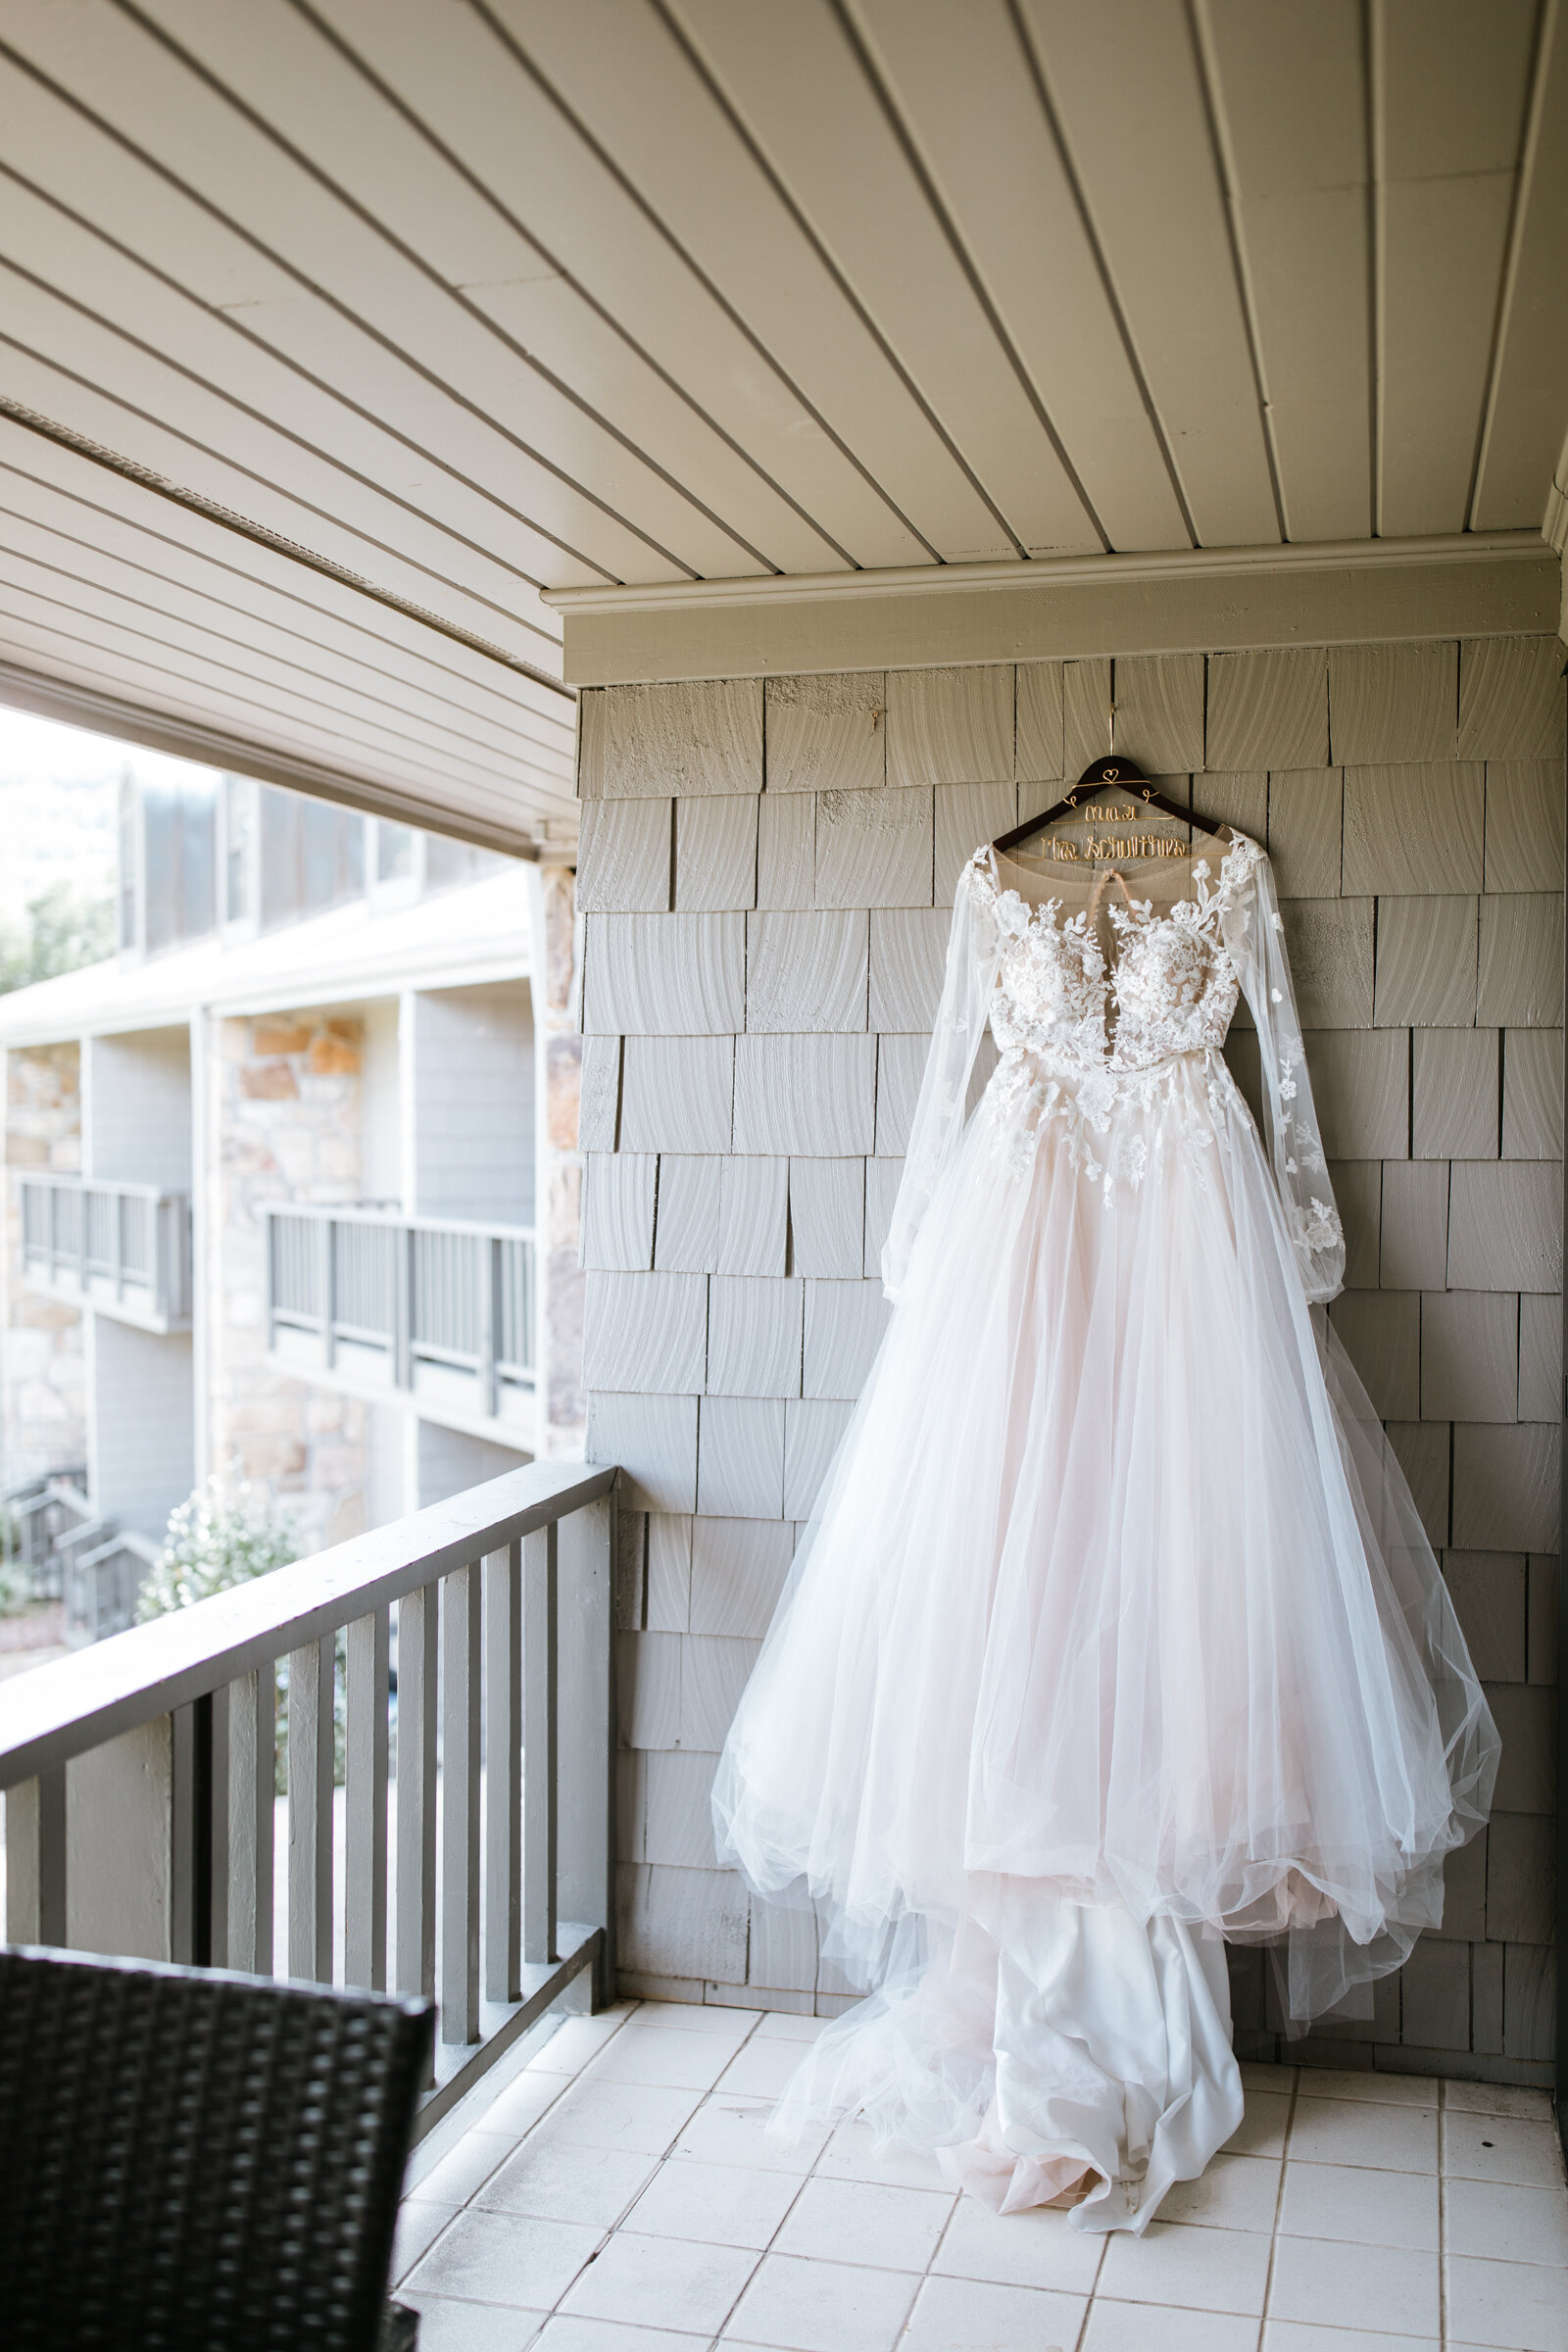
[{"x": 449, "y": 938}]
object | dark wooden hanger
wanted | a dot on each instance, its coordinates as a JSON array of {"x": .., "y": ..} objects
[{"x": 1116, "y": 770}]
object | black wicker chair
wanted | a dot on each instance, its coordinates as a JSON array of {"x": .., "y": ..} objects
[{"x": 194, "y": 2159}]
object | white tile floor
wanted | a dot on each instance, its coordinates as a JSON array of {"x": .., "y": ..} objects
[{"x": 613, "y": 2193}]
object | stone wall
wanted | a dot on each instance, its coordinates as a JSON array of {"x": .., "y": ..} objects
[
  {"x": 43, "y": 1364},
  {"x": 282, "y": 1122},
  {"x": 766, "y": 869}
]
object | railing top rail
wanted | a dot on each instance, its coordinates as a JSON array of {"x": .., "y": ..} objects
[
  {"x": 98, "y": 1184},
  {"x": 345, "y": 1212},
  {"x": 62, "y": 1710}
]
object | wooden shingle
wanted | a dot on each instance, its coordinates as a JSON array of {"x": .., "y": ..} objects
[
  {"x": 1037, "y": 746},
  {"x": 623, "y": 856},
  {"x": 1269, "y": 710},
  {"x": 1454, "y": 1107},
  {"x": 950, "y": 726},
  {"x": 753, "y": 1336},
  {"x": 1469, "y": 1355},
  {"x": 677, "y": 1094},
  {"x": 1426, "y": 976},
  {"x": 1305, "y": 821},
  {"x": 827, "y": 734},
  {"x": 1510, "y": 697},
  {"x": 827, "y": 1217},
  {"x": 811, "y": 1095},
  {"x": 1393, "y": 703},
  {"x": 807, "y": 971},
  {"x": 874, "y": 848},
  {"x": 643, "y": 742},
  {"x": 1409, "y": 830},
  {"x": 716, "y": 852}
]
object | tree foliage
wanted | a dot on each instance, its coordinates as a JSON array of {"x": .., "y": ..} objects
[{"x": 62, "y": 931}]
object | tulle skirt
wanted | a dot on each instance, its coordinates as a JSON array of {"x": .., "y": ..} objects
[{"x": 1116, "y": 1635}]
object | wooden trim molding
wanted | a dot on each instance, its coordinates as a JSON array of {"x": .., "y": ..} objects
[{"x": 1499, "y": 583}]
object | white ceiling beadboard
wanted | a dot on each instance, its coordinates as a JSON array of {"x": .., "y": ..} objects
[{"x": 338, "y": 340}]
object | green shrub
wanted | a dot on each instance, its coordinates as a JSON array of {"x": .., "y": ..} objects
[{"x": 226, "y": 1533}]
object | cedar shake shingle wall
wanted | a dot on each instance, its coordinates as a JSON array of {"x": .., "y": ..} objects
[{"x": 766, "y": 871}]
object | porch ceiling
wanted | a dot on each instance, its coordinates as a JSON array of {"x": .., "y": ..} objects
[{"x": 332, "y": 332}]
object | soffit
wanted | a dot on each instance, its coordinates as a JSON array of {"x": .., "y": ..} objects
[{"x": 424, "y": 313}]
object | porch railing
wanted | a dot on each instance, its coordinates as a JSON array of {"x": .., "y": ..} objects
[
  {"x": 477, "y": 1775},
  {"x": 437, "y": 1307},
  {"x": 121, "y": 1247}
]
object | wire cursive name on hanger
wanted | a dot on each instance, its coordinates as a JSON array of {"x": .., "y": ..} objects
[{"x": 1097, "y": 846}]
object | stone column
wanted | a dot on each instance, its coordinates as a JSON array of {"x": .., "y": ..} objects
[
  {"x": 558, "y": 1048},
  {"x": 43, "y": 1370}
]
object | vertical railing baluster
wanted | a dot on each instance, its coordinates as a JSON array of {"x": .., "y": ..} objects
[
  {"x": 502, "y": 1791},
  {"x": 539, "y": 1743},
  {"x": 35, "y": 1859},
  {"x": 403, "y": 1362},
  {"x": 252, "y": 1781},
  {"x": 460, "y": 1805},
  {"x": 328, "y": 1275},
  {"x": 310, "y": 1810},
  {"x": 365, "y": 1805},
  {"x": 416, "y": 1777},
  {"x": 586, "y": 1764}
]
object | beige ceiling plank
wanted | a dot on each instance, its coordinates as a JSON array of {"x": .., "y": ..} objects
[
  {"x": 1294, "y": 96},
  {"x": 81, "y": 697},
  {"x": 105, "y": 658},
  {"x": 1529, "y": 420},
  {"x": 1126, "y": 85},
  {"x": 29, "y": 548},
  {"x": 1454, "y": 95},
  {"x": 472, "y": 94},
  {"x": 494, "y": 494},
  {"x": 338, "y": 715},
  {"x": 77, "y": 373},
  {"x": 304, "y": 85},
  {"x": 79, "y": 500},
  {"x": 692, "y": 167},
  {"x": 963, "y": 82},
  {"x": 428, "y": 350},
  {"x": 813, "y": 113}
]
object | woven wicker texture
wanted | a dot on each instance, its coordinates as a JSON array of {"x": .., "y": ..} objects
[{"x": 194, "y": 2159}]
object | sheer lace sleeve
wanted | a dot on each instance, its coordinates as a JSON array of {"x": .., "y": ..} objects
[
  {"x": 1254, "y": 937},
  {"x": 974, "y": 948}
]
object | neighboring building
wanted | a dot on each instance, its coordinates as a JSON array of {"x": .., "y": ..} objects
[{"x": 274, "y": 1171}]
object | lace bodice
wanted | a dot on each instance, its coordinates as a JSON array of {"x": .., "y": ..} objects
[
  {"x": 1090, "y": 1038},
  {"x": 1172, "y": 989}
]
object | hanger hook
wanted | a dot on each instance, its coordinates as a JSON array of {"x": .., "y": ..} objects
[{"x": 1113, "y": 726}]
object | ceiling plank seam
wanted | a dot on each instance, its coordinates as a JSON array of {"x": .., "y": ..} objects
[
  {"x": 415, "y": 261},
  {"x": 910, "y": 148},
  {"x": 781, "y": 189},
  {"x": 487, "y": 195},
  {"x": 129, "y": 468},
  {"x": 1101, "y": 261},
  {"x": 1544, "y": 33},
  {"x": 710, "y": 286},
  {"x": 1201, "y": 35}
]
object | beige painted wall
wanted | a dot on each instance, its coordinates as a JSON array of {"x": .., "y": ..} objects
[{"x": 766, "y": 871}]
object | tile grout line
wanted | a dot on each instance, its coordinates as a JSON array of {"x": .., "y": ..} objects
[
  {"x": 1279, "y": 2207},
  {"x": 659, "y": 2161},
  {"x": 1093, "y": 2289},
  {"x": 1443, "y": 2215}
]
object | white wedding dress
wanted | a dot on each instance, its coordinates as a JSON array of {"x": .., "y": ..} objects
[{"x": 1116, "y": 1635}]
